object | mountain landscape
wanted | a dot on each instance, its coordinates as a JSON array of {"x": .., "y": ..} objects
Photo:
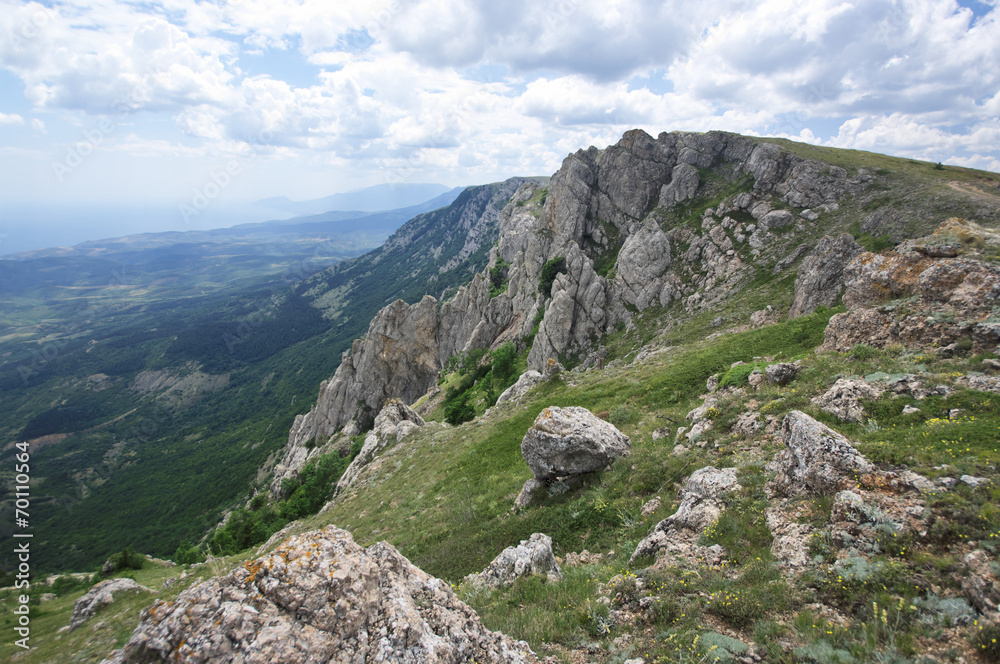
[{"x": 698, "y": 397}]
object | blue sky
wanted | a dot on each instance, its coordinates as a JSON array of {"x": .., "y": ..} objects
[{"x": 150, "y": 105}]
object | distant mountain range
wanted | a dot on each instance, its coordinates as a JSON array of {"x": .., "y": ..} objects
[{"x": 368, "y": 199}]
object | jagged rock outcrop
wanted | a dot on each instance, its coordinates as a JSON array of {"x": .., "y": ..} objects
[
  {"x": 100, "y": 596},
  {"x": 820, "y": 280},
  {"x": 319, "y": 597},
  {"x": 532, "y": 556},
  {"x": 571, "y": 441},
  {"x": 603, "y": 214},
  {"x": 701, "y": 505},
  {"x": 912, "y": 295},
  {"x": 816, "y": 458},
  {"x": 393, "y": 423}
]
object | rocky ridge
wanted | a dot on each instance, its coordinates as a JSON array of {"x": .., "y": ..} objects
[{"x": 604, "y": 214}]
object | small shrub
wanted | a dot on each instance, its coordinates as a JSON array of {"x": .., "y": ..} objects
[
  {"x": 187, "y": 554},
  {"x": 622, "y": 415},
  {"x": 986, "y": 641},
  {"x": 127, "y": 558},
  {"x": 863, "y": 352},
  {"x": 550, "y": 270},
  {"x": 67, "y": 584}
]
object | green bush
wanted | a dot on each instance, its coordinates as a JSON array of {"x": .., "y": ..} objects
[
  {"x": 457, "y": 408},
  {"x": 187, "y": 554},
  {"x": 863, "y": 352},
  {"x": 736, "y": 376},
  {"x": 127, "y": 558},
  {"x": 67, "y": 584},
  {"x": 550, "y": 270}
]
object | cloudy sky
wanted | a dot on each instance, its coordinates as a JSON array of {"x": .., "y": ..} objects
[{"x": 149, "y": 105}]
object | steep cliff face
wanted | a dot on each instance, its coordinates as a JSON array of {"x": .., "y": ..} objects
[{"x": 646, "y": 222}]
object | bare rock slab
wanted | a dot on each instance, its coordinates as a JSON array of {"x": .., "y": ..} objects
[
  {"x": 99, "y": 596},
  {"x": 532, "y": 556},
  {"x": 571, "y": 441},
  {"x": 319, "y": 597}
]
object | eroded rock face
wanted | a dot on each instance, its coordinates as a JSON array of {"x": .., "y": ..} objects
[
  {"x": 913, "y": 294},
  {"x": 319, "y": 597},
  {"x": 600, "y": 206},
  {"x": 642, "y": 262},
  {"x": 393, "y": 423},
  {"x": 532, "y": 556},
  {"x": 820, "y": 280},
  {"x": 571, "y": 441},
  {"x": 701, "y": 505},
  {"x": 816, "y": 458},
  {"x": 100, "y": 596}
]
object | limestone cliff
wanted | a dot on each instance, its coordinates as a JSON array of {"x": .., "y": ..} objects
[{"x": 618, "y": 219}]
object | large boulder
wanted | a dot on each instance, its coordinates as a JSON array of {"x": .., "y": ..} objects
[
  {"x": 532, "y": 556},
  {"x": 319, "y": 597},
  {"x": 816, "y": 459},
  {"x": 571, "y": 441},
  {"x": 100, "y": 596}
]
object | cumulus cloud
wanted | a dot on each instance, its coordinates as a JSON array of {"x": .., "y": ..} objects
[{"x": 392, "y": 86}]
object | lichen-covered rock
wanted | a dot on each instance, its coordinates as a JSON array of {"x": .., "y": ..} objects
[
  {"x": 100, "y": 596},
  {"x": 532, "y": 556},
  {"x": 395, "y": 421},
  {"x": 319, "y": 597},
  {"x": 571, "y": 441},
  {"x": 790, "y": 543},
  {"x": 816, "y": 458},
  {"x": 843, "y": 399},
  {"x": 820, "y": 279},
  {"x": 934, "y": 291},
  {"x": 980, "y": 583},
  {"x": 701, "y": 505}
]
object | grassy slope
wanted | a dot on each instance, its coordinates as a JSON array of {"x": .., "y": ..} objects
[{"x": 443, "y": 497}]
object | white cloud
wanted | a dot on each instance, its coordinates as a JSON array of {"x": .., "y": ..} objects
[
  {"x": 38, "y": 125},
  {"x": 386, "y": 86}
]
